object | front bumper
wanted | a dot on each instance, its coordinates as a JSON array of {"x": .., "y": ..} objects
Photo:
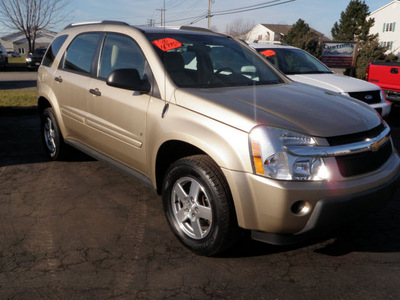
[
  {"x": 266, "y": 206},
  {"x": 393, "y": 96},
  {"x": 34, "y": 64},
  {"x": 334, "y": 213}
]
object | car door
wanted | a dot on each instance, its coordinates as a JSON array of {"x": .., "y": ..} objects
[
  {"x": 71, "y": 84},
  {"x": 117, "y": 119}
]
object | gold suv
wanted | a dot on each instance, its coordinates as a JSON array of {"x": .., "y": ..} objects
[{"x": 228, "y": 140}]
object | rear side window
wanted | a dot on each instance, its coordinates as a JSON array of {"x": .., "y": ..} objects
[
  {"x": 80, "y": 53},
  {"x": 53, "y": 50}
]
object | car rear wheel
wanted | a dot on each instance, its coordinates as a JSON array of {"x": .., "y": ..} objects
[
  {"x": 199, "y": 207},
  {"x": 52, "y": 139}
]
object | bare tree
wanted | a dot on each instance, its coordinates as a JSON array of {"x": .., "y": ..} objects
[
  {"x": 239, "y": 27},
  {"x": 30, "y": 16}
]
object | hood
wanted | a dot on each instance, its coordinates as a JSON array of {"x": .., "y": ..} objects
[
  {"x": 292, "y": 106},
  {"x": 335, "y": 82}
]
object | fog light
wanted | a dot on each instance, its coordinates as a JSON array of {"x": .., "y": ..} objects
[{"x": 301, "y": 208}]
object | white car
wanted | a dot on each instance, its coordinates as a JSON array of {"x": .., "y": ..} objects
[{"x": 300, "y": 66}]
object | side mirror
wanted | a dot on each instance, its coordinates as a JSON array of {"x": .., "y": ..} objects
[{"x": 128, "y": 79}]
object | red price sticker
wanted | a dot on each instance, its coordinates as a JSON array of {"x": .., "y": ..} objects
[
  {"x": 268, "y": 53},
  {"x": 167, "y": 44}
]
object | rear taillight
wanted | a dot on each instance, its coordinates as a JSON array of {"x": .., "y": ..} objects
[{"x": 367, "y": 73}]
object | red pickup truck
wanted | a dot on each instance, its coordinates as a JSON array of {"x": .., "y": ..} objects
[{"x": 387, "y": 76}]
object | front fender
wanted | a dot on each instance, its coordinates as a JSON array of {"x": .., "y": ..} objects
[{"x": 226, "y": 145}]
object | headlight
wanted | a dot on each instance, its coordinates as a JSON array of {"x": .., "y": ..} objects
[
  {"x": 270, "y": 158},
  {"x": 29, "y": 60},
  {"x": 383, "y": 96}
]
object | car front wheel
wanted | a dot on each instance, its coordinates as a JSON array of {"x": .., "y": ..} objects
[{"x": 199, "y": 207}]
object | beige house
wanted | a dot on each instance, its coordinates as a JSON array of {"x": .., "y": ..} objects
[
  {"x": 17, "y": 41},
  {"x": 274, "y": 33},
  {"x": 387, "y": 26}
]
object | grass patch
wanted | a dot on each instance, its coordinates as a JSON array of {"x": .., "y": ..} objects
[{"x": 13, "y": 98}]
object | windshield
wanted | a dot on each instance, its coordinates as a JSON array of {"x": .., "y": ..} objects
[
  {"x": 294, "y": 61},
  {"x": 39, "y": 51},
  {"x": 207, "y": 61}
]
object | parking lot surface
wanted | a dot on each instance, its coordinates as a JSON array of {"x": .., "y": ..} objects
[
  {"x": 16, "y": 78},
  {"x": 79, "y": 229}
]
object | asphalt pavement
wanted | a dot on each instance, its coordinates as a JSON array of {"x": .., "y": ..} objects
[
  {"x": 17, "y": 78},
  {"x": 79, "y": 229}
]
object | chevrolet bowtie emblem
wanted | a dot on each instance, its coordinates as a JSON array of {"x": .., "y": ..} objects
[{"x": 376, "y": 145}]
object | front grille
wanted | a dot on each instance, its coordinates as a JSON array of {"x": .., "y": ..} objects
[
  {"x": 355, "y": 137},
  {"x": 365, "y": 162},
  {"x": 370, "y": 97}
]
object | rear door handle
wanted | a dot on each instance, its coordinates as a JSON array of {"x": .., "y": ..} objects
[
  {"x": 58, "y": 79},
  {"x": 95, "y": 92}
]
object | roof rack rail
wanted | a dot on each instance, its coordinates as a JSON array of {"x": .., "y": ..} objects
[
  {"x": 193, "y": 28},
  {"x": 97, "y": 22}
]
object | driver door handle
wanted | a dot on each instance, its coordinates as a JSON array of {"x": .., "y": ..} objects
[
  {"x": 95, "y": 92},
  {"x": 58, "y": 79}
]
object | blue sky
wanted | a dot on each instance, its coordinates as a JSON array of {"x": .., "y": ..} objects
[{"x": 319, "y": 14}]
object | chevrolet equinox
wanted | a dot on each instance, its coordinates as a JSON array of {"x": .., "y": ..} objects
[{"x": 230, "y": 143}]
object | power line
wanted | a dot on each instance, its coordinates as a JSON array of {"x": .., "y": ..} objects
[
  {"x": 250, "y": 8},
  {"x": 199, "y": 18},
  {"x": 247, "y": 7},
  {"x": 263, "y": 5},
  {"x": 171, "y": 5},
  {"x": 190, "y": 8}
]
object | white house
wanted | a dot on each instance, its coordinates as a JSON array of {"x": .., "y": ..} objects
[
  {"x": 387, "y": 25},
  {"x": 274, "y": 33}
]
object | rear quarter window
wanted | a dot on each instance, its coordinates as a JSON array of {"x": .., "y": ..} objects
[{"x": 53, "y": 50}]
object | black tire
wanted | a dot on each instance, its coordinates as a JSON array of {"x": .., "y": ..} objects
[
  {"x": 52, "y": 139},
  {"x": 198, "y": 206}
]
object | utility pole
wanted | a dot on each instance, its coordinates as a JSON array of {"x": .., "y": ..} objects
[
  {"x": 162, "y": 12},
  {"x": 209, "y": 14},
  {"x": 151, "y": 22}
]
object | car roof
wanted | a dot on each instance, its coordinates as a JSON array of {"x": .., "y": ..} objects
[
  {"x": 174, "y": 29},
  {"x": 148, "y": 29}
]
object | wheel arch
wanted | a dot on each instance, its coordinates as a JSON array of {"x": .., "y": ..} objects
[
  {"x": 169, "y": 152},
  {"x": 46, "y": 101},
  {"x": 43, "y": 103}
]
